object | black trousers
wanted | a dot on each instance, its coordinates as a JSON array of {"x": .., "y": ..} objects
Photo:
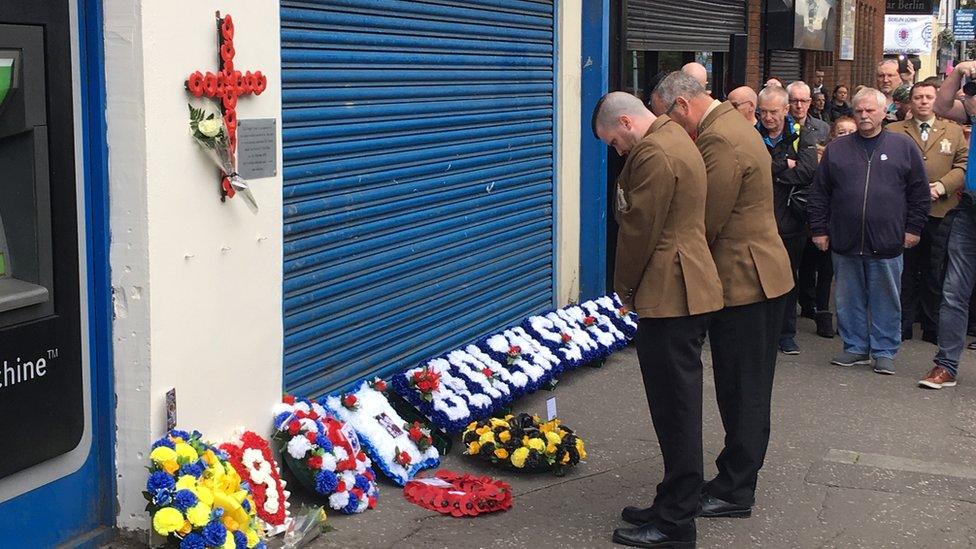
[
  {"x": 669, "y": 350},
  {"x": 744, "y": 349},
  {"x": 921, "y": 280},
  {"x": 794, "y": 248},
  {"x": 816, "y": 275}
]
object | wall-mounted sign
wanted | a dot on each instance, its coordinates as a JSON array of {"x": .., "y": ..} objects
[
  {"x": 910, "y": 34},
  {"x": 848, "y": 26},
  {"x": 965, "y": 27},
  {"x": 908, "y": 7}
]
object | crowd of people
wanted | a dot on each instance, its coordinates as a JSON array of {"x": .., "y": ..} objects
[{"x": 733, "y": 215}]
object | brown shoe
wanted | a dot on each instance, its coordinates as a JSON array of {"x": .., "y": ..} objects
[{"x": 938, "y": 378}]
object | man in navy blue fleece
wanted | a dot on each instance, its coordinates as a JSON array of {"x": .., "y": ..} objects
[{"x": 869, "y": 202}]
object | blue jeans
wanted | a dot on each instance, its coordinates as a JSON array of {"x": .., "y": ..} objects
[
  {"x": 957, "y": 289},
  {"x": 869, "y": 304}
]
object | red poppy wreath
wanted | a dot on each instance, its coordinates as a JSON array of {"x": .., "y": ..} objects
[{"x": 459, "y": 495}]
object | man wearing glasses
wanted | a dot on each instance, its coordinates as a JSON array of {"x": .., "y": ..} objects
[
  {"x": 744, "y": 100},
  {"x": 800, "y": 99}
]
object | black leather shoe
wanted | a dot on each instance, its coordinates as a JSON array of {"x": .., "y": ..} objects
[
  {"x": 808, "y": 312},
  {"x": 712, "y": 507},
  {"x": 649, "y": 535},
  {"x": 638, "y": 516}
]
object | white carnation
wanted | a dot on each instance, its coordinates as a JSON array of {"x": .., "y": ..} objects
[
  {"x": 298, "y": 447},
  {"x": 339, "y": 500},
  {"x": 340, "y": 453},
  {"x": 318, "y": 409},
  {"x": 328, "y": 462},
  {"x": 309, "y": 425},
  {"x": 303, "y": 406},
  {"x": 280, "y": 408}
]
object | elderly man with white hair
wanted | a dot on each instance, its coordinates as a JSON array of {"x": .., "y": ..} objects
[{"x": 869, "y": 202}]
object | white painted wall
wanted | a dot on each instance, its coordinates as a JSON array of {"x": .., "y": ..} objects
[
  {"x": 197, "y": 283},
  {"x": 569, "y": 27}
]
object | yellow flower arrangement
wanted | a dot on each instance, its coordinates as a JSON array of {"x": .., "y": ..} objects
[
  {"x": 523, "y": 442},
  {"x": 190, "y": 480}
]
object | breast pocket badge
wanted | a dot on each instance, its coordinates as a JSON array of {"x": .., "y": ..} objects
[
  {"x": 946, "y": 146},
  {"x": 621, "y": 200}
]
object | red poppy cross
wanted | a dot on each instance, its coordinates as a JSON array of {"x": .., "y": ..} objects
[{"x": 226, "y": 86}]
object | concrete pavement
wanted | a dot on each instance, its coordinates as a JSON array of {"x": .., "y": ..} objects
[{"x": 856, "y": 460}]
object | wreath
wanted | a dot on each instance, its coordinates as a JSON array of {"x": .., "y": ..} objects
[
  {"x": 254, "y": 462},
  {"x": 458, "y": 495},
  {"x": 524, "y": 443},
  {"x": 324, "y": 455}
]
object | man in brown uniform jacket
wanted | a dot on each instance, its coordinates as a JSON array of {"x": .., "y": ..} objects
[
  {"x": 945, "y": 152},
  {"x": 755, "y": 272},
  {"x": 665, "y": 272}
]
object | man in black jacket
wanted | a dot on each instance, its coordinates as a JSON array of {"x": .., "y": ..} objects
[
  {"x": 869, "y": 201},
  {"x": 794, "y": 154}
]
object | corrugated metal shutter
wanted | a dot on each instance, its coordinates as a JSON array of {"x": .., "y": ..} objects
[
  {"x": 785, "y": 65},
  {"x": 418, "y": 167},
  {"x": 683, "y": 25}
]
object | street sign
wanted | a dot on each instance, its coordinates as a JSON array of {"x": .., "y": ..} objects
[{"x": 965, "y": 27}]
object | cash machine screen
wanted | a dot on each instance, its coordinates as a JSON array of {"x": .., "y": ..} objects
[{"x": 41, "y": 383}]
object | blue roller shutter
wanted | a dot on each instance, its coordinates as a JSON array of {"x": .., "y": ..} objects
[{"x": 418, "y": 179}]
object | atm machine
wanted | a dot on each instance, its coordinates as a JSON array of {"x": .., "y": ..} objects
[{"x": 42, "y": 386}]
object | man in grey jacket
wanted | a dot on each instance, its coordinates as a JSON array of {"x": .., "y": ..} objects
[
  {"x": 800, "y": 100},
  {"x": 870, "y": 200}
]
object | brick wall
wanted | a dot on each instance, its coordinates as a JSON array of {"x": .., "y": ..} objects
[{"x": 868, "y": 48}]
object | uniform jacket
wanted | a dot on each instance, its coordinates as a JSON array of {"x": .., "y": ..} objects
[
  {"x": 945, "y": 154},
  {"x": 866, "y": 204},
  {"x": 791, "y": 184},
  {"x": 663, "y": 266},
  {"x": 739, "y": 221}
]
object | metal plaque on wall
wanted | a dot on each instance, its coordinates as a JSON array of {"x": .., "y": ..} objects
[{"x": 257, "y": 140}]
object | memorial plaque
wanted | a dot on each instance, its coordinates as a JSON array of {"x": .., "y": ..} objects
[{"x": 257, "y": 154}]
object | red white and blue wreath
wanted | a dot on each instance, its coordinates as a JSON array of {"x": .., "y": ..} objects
[{"x": 399, "y": 449}]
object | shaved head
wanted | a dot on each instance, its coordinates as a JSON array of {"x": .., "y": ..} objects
[
  {"x": 696, "y": 71},
  {"x": 614, "y": 105},
  {"x": 621, "y": 120}
]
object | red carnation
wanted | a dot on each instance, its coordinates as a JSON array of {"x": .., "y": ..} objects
[
  {"x": 514, "y": 350},
  {"x": 369, "y": 475},
  {"x": 372, "y": 502},
  {"x": 589, "y": 321},
  {"x": 313, "y": 416},
  {"x": 404, "y": 459},
  {"x": 288, "y": 399},
  {"x": 294, "y": 427},
  {"x": 300, "y": 414},
  {"x": 488, "y": 373},
  {"x": 361, "y": 456},
  {"x": 415, "y": 433},
  {"x": 357, "y": 492},
  {"x": 315, "y": 462},
  {"x": 379, "y": 385},
  {"x": 341, "y": 487},
  {"x": 566, "y": 337},
  {"x": 311, "y": 437},
  {"x": 349, "y": 401}
]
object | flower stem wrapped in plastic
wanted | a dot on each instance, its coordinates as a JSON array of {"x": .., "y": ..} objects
[{"x": 209, "y": 131}]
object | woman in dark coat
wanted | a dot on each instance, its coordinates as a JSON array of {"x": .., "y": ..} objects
[{"x": 838, "y": 105}]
